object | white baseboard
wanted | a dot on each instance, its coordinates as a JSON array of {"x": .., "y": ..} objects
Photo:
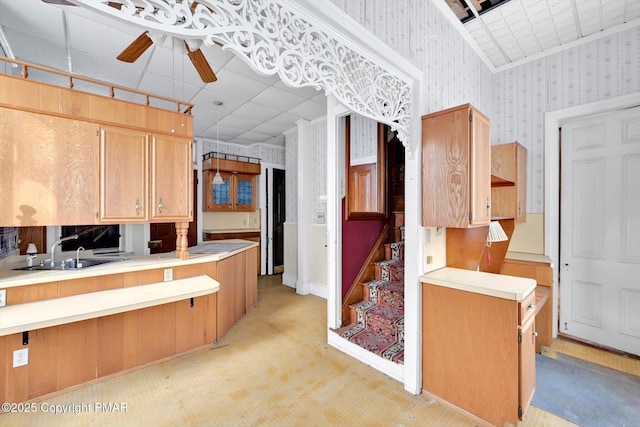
[
  {"x": 318, "y": 289},
  {"x": 289, "y": 280},
  {"x": 387, "y": 367}
]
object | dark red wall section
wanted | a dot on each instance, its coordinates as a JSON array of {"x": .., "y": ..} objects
[{"x": 358, "y": 238}]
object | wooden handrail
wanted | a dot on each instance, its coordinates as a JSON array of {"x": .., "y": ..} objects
[{"x": 111, "y": 87}]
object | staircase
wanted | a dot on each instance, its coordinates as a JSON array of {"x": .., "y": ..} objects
[{"x": 377, "y": 322}]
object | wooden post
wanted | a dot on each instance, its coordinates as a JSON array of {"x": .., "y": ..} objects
[{"x": 182, "y": 243}]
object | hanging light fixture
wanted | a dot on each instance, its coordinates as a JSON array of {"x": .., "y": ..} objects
[{"x": 217, "y": 179}]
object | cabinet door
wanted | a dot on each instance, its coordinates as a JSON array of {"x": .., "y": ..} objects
[
  {"x": 123, "y": 175},
  {"x": 521, "y": 183},
  {"x": 526, "y": 365},
  {"x": 480, "y": 170},
  {"x": 218, "y": 196},
  {"x": 49, "y": 169},
  {"x": 171, "y": 178},
  {"x": 456, "y": 168},
  {"x": 244, "y": 190}
]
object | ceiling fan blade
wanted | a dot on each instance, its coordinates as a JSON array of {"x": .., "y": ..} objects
[
  {"x": 202, "y": 66},
  {"x": 135, "y": 49},
  {"x": 60, "y": 2}
]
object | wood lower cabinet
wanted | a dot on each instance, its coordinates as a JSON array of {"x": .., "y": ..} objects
[
  {"x": 456, "y": 165},
  {"x": 478, "y": 353},
  {"x": 79, "y": 352}
]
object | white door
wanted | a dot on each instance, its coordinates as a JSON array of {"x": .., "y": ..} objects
[{"x": 600, "y": 230}]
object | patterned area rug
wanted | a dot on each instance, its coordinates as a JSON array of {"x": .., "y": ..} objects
[{"x": 379, "y": 324}]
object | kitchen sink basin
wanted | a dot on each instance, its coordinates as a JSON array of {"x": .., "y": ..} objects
[{"x": 71, "y": 264}]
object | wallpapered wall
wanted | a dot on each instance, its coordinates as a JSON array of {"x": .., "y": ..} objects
[
  {"x": 595, "y": 71},
  {"x": 266, "y": 153},
  {"x": 515, "y": 100},
  {"x": 418, "y": 31},
  {"x": 319, "y": 170}
]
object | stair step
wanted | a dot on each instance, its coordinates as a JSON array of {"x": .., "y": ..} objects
[
  {"x": 398, "y": 219},
  {"x": 385, "y": 292},
  {"x": 394, "y": 250},
  {"x": 392, "y": 270}
]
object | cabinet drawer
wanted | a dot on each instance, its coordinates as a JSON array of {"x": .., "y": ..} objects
[{"x": 527, "y": 307}]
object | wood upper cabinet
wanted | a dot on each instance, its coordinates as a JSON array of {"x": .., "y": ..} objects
[
  {"x": 456, "y": 162},
  {"x": 509, "y": 181},
  {"x": 238, "y": 193},
  {"x": 124, "y": 177},
  {"x": 49, "y": 169},
  {"x": 171, "y": 178},
  {"x": 144, "y": 177}
]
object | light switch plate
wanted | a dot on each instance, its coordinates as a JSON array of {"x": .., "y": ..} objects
[{"x": 168, "y": 274}]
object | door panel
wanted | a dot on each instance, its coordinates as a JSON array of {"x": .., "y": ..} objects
[{"x": 600, "y": 230}]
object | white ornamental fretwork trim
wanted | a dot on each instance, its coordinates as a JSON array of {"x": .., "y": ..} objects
[{"x": 273, "y": 38}]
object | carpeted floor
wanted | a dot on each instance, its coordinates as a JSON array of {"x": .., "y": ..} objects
[
  {"x": 588, "y": 394},
  {"x": 270, "y": 370}
]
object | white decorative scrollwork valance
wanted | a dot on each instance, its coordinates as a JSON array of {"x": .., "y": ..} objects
[{"x": 275, "y": 37}]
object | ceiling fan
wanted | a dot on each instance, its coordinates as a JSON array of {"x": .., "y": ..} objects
[{"x": 132, "y": 52}]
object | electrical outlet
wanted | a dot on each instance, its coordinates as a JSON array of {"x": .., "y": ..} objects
[
  {"x": 20, "y": 357},
  {"x": 3, "y": 297},
  {"x": 168, "y": 274}
]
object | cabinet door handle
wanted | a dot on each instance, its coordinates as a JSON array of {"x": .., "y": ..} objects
[
  {"x": 531, "y": 307},
  {"x": 160, "y": 205},
  {"x": 137, "y": 206}
]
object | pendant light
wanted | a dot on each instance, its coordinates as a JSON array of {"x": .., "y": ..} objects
[{"x": 217, "y": 179}]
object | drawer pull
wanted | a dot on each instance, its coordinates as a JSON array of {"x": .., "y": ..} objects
[{"x": 531, "y": 306}]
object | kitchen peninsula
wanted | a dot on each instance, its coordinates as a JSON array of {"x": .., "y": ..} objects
[{"x": 83, "y": 325}]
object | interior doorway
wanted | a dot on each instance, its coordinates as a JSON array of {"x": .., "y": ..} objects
[
  {"x": 278, "y": 217},
  {"x": 600, "y": 231}
]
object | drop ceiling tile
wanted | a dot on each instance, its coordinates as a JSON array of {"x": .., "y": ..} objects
[
  {"x": 277, "y": 99},
  {"x": 286, "y": 120},
  {"x": 270, "y": 129},
  {"x": 239, "y": 122},
  {"x": 239, "y": 66},
  {"x": 256, "y": 112},
  {"x": 234, "y": 84},
  {"x": 310, "y": 110}
]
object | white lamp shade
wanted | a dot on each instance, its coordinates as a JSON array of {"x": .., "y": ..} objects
[
  {"x": 31, "y": 249},
  {"x": 496, "y": 233},
  {"x": 217, "y": 179}
]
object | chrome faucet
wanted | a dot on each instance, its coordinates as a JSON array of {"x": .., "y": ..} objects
[
  {"x": 56, "y": 243},
  {"x": 78, "y": 263}
]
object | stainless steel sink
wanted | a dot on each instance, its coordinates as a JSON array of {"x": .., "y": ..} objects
[{"x": 71, "y": 264}]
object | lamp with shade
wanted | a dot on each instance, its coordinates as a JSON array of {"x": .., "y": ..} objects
[{"x": 496, "y": 234}]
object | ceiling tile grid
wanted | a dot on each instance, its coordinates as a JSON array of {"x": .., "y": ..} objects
[{"x": 515, "y": 31}]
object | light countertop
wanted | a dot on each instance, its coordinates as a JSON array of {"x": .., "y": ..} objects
[
  {"x": 524, "y": 256},
  {"x": 497, "y": 285},
  {"x": 232, "y": 230},
  {"x": 10, "y": 278},
  {"x": 58, "y": 311}
]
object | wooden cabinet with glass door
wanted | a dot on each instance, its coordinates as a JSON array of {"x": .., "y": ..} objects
[{"x": 237, "y": 193}]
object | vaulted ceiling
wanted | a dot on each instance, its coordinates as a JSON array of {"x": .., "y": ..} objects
[
  {"x": 256, "y": 108},
  {"x": 509, "y": 32}
]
